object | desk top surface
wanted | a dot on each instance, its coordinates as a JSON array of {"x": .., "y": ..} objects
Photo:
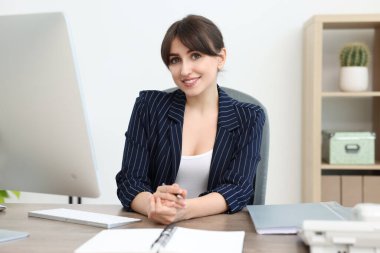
[{"x": 57, "y": 236}]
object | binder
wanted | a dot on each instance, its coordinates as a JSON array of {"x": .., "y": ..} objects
[
  {"x": 288, "y": 219},
  {"x": 169, "y": 240}
]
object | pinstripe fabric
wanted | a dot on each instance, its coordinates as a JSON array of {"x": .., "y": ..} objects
[{"x": 153, "y": 144}]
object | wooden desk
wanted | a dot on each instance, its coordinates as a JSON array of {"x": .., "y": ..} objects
[{"x": 56, "y": 236}]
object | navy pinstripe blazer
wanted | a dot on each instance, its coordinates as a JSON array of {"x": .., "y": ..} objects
[{"x": 153, "y": 145}]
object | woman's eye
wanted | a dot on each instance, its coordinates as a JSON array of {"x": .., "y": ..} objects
[
  {"x": 195, "y": 56},
  {"x": 174, "y": 60}
]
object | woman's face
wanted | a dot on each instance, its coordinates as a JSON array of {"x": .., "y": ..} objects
[{"x": 192, "y": 71}]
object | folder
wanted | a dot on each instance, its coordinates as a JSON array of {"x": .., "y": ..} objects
[
  {"x": 288, "y": 219},
  {"x": 181, "y": 240},
  {"x": 9, "y": 235}
]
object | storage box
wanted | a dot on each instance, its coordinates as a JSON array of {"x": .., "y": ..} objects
[{"x": 348, "y": 147}]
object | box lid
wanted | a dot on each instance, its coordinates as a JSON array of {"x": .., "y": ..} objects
[{"x": 350, "y": 135}]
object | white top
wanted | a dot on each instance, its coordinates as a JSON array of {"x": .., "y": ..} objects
[{"x": 193, "y": 173}]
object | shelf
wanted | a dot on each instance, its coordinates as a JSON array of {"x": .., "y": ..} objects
[
  {"x": 351, "y": 94},
  {"x": 344, "y": 21},
  {"x": 327, "y": 166},
  {"x": 325, "y": 105}
]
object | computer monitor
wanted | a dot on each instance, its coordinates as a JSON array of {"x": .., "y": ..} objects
[{"x": 45, "y": 144}]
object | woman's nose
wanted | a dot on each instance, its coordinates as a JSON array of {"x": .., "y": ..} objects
[{"x": 186, "y": 68}]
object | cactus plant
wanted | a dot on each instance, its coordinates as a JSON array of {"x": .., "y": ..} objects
[{"x": 354, "y": 54}]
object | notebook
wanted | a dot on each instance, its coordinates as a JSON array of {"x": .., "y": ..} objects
[
  {"x": 288, "y": 219},
  {"x": 9, "y": 235},
  {"x": 83, "y": 217},
  {"x": 179, "y": 240}
]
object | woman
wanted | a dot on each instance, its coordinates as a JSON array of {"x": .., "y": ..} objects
[{"x": 192, "y": 152}]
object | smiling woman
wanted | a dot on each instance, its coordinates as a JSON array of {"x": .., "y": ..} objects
[
  {"x": 195, "y": 142},
  {"x": 194, "y": 71}
]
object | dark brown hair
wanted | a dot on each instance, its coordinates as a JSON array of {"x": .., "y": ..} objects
[{"x": 195, "y": 32}]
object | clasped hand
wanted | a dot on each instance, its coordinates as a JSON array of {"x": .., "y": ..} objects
[{"x": 167, "y": 204}]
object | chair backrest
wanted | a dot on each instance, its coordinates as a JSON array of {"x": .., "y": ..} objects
[{"x": 260, "y": 180}]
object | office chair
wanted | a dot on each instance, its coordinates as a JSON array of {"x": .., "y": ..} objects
[{"x": 260, "y": 180}]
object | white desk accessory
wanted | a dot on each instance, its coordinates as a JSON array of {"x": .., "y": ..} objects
[
  {"x": 83, "y": 217},
  {"x": 9, "y": 235},
  {"x": 357, "y": 236}
]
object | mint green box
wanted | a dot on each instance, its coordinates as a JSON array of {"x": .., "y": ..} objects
[{"x": 348, "y": 147}]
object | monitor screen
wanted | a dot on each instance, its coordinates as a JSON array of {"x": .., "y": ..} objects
[{"x": 45, "y": 144}]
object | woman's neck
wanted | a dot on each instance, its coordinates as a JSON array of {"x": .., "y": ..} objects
[{"x": 207, "y": 100}]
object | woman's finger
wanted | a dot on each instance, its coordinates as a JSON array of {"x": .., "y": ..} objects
[
  {"x": 166, "y": 196},
  {"x": 173, "y": 189},
  {"x": 162, "y": 213},
  {"x": 172, "y": 204},
  {"x": 152, "y": 206}
]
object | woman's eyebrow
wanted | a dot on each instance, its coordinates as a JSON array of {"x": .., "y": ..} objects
[{"x": 188, "y": 52}]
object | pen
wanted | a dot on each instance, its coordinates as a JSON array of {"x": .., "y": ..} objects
[
  {"x": 164, "y": 237},
  {"x": 179, "y": 196}
]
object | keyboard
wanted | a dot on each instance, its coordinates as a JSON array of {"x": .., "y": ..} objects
[{"x": 82, "y": 217}]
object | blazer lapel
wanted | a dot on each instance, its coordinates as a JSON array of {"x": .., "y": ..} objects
[
  {"x": 227, "y": 123},
  {"x": 175, "y": 114},
  {"x": 227, "y": 117}
]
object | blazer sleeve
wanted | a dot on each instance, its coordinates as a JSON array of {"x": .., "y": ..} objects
[
  {"x": 236, "y": 185},
  {"x": 133, "y": 176}
]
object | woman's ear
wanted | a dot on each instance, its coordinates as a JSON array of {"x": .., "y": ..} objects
[{"x": 222, "y": 58}]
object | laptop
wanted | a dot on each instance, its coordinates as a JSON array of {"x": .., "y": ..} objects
[{"x": 82, "y": 217}]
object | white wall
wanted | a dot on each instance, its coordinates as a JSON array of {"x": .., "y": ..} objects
[{"x": 117, "y": 46}]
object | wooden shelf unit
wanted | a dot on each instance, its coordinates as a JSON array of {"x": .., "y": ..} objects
[
  {"x": 326, "y": 166},
  {"x": 314, "y": 96},
  {"x": 350, "y": 94}
]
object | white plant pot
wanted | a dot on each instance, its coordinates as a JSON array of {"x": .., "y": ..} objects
[{"x": 354, "y": 78}]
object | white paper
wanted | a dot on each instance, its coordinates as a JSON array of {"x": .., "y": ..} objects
[
  {"x": 121, "y": 240},
  {"x": 184, "y": 240},
  {"x": 194, "y": 240}
]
